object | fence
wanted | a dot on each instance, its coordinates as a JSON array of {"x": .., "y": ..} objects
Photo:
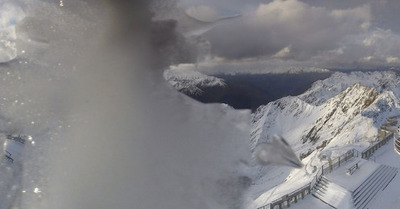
[
  {"x": 300, "y": 193},
  {"x": 336, "y": 162},
  {"x": 397, "y": 145},
  {"x": 290, "y": 198},
  {"x": 371, "y": 149}
]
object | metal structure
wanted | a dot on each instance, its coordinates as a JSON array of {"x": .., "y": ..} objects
[{"x": 397, "y": 145}]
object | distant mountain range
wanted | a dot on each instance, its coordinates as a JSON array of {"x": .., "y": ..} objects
[
  {"x": 243, "y": 91},
  {"x": 191, "y": 82}
]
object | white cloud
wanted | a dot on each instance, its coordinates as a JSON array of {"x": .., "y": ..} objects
[
  {"x": 284, "y": 53},
  {"x": 382, "y": 44},
  {"x": 368, "y": 58},
  {"x": 392, "y": 60}
]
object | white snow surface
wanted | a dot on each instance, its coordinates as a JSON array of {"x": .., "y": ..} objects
[
  {"x": 351, "y": 182},
  {"x": 338, "y": 197}
]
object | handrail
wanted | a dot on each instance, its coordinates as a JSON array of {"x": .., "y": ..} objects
[{"x": 293, "y": 195}]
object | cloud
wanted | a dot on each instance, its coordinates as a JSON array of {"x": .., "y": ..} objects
[
  {"x": 319, "y": 33},
  {"x": 276, "y": 25},
  {"x": 384, "y": 41},
  {"x": 392, "y": 60},
  {"x": 384, "y": 12},
  {"x": 203, "y": 13},
  {"x": 217, "y": 66},
  {"x": 285, "y": 52},
  {"x": 384, "y": 45}
]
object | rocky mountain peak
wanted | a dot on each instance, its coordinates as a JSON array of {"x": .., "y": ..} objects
[
  {"x": 341, "y": 109},
  {"x": 323, "y": 90},
  {"x": 190, "y": 82}
]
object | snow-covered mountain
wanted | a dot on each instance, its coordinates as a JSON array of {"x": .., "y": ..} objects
[
  {"x": 323, "y": 90},
  {"x": 342, "y": 112},
  {"x": 189, "y": 81},
  {"x": 330, "y": 110}
]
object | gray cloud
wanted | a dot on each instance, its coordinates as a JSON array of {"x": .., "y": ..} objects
[
  {"x": 322, "y": 33},
  {"x": 294, "y": 25},
  {"x": 384, "y": 12}
]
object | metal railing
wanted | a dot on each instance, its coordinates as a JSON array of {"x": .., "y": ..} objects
[
  {"x": 336, "y": 162},
  {"x": 300, "y": 193},
  {"x": 371, "y": 149},
  {"x": 289, "y": 198},
  {"x": 397, "y": 145}
]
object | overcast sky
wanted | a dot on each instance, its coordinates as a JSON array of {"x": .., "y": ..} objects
[{"x": 319, "y": 33}]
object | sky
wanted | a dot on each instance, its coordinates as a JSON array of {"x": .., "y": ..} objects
[{"x": 313, "y": 33}]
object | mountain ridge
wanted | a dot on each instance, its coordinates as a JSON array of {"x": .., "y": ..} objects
[{"x": 315, "y": 120}]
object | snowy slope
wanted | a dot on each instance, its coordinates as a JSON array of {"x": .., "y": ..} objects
[
  {"x": 334, "y": 115},
  {"x": 288, "y": 113},
  {"x": 189, "y": 81}
]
